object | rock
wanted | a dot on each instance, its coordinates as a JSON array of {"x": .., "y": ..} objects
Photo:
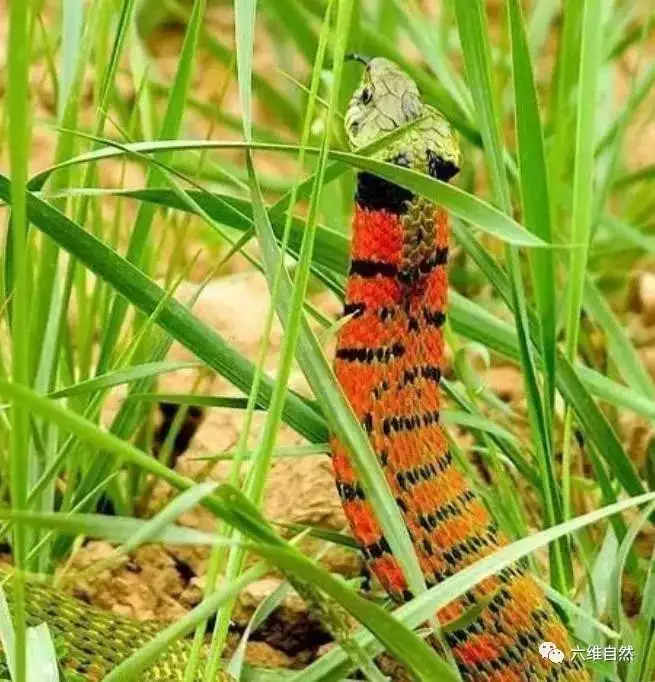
[
  {"x": 236, "y": 307},
  {"x": 144, "y": 586},
  {"x": 289, "y": 628},
  {"x": 257, "y": 592},
  {"x": 314, "y": 502},
  {"x": 262, "y": 655}
]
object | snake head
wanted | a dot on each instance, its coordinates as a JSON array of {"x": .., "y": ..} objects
[{"x": 386, "y": 99}]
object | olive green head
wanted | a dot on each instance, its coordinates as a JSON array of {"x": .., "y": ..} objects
[{"x": 386, "y": 99}]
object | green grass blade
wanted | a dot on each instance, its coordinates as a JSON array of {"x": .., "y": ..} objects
[
  {"x": 423, "y": 35},
  {"x": 71, "y": 43},
  {"x": 467, "y": 318},
  {"x": 118, "y": 529},
  {"x": 622, "y": 352},
  {"x": 645, "y": 639},
  {"x": 8, "y": 635},
  {"x": 197, "y": 400},
  {"x": 50, "y": 301},
  {"x": 616, "y": 608},
  {"x": 332, "y": 252},
  {"x": 565, "y": 78},
  {"x": 534, "y": 192},
  {"x": 478, "y": 325},
  {"x": 342, "y": 419},
  {"x": 293, "y": 20},
  {"x": 245, "y": 13},
  {"x": 460, "y": 203},
  {"x": 474, "y": 39},
  {"x": 264, "y": 609},
  {"x": 227, "y": 503},
  {"x": 419, "y": 610},
  {"x": 597, "y": 428},
  {"x": 134, "y": 667},
  {"x": 285, "y": 112},
  {"x": 166, "y": 518},
  {"x": 584, "y": 169},
  {"x": 124, "y": 376},
  {"x": 583, "y": 186},
  {"x": 262, "y": 462},
  {"x": 42, "y": 663},
  {"x": 19, "y": 134}
]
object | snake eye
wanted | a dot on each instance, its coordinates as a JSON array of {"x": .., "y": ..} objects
[{"x": 367, "y": 95}]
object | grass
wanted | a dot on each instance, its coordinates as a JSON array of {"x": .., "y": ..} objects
[{"x": 548, "y": 191}]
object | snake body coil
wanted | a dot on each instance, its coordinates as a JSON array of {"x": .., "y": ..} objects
[
  {"x": 388, "y": 361},
  {"x": 91, "y": 642}
]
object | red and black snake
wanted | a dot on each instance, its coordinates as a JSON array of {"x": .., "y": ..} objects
[{"x": 389, "y": 362}]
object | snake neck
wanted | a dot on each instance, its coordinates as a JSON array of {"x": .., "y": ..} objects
[{"x": 398, "y": 235}]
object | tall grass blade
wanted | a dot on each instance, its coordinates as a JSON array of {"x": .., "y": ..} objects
[
  {"x": 535, "y": 194},
  {"x": 234, "y": 508},
  {"x": 591, "y": 54},
  {"x": 19, "y": 134}
]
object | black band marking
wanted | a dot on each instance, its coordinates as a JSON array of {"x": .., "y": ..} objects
[
  {"x": 434, "y": 318},
  {"x": 413, "y": 272},
  {"x": 349, "y": 493},
  {"x": 381, "y": 389},
  {"x": 376, "y": 194},
  {"x": 439, "y": 168},
  {"x": 428, "y": 372},
  {"x": 372, "y": 268},
  {"x": 354, "y": 309},
  {"x": 407, "y": 478},
  {"x": 368, "y": 355},
  {"x": 387, "y": 313},
  {"x": 439, "y": 257},
  {"x": 397, "y": 424},
  {"x": 454, "y": 508},
  {"x": 376, "y": 550}
]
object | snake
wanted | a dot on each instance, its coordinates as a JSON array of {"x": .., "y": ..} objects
[
  {"x": 90, "y": 642},
  {"x": 389, "y": 362}
]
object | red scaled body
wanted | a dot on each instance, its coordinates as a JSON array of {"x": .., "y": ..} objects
[{"x": 389, "y": 361}]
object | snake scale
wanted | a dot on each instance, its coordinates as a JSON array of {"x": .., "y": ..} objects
[{"x": 389, "y": 363}]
